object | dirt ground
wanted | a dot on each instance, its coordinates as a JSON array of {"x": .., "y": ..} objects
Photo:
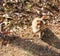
[
  {"x": 25, "y": 46},
  {"x": 23, "y": 42}
]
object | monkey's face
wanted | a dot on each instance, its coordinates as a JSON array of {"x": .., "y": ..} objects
[{"x": 38, "y": 24}]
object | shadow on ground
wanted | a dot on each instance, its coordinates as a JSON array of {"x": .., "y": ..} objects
[
  {"x": 50, "y": 38},
  {"x": 40, "y": 50}
]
